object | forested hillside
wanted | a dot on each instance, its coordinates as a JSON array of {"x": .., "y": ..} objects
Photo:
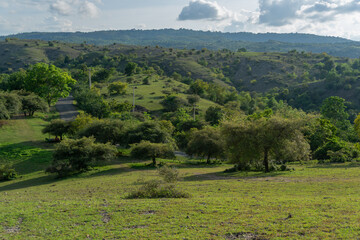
[
  {"x": 302, "y": 79},
  {"x": 262, "y": 42}
]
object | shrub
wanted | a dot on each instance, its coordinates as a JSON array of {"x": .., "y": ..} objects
[
  {"x": 58, "y": 128},
  {"x": 148, "y": 150},
  {"x": 72, "y": 156},
  {"x": 7, "y": 172},
  {"x": 117, "y": 88},
  {"x": 104, "y": 131},
  {"x": 32, "y": 103},
  {"x": 169, "y": 174},
  {"x": 165, "y": 188}
]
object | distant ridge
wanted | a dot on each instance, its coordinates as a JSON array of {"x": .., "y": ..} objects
[{"x": 184, "y": 38}]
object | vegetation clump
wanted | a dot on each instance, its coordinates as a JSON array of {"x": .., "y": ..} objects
[
  {"x": 165, "y": 188},
  {"x": 74, "y": 156},
  {"x": 7, "y": 172}
]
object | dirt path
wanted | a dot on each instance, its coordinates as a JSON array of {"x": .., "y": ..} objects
[{"x": 66, "y": 108}]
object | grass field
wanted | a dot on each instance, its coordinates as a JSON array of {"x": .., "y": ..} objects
[{"x": 312, "y": 202}]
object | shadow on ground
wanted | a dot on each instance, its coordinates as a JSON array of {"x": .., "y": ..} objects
[
  {"x": 228, "y": 176},
  {"x": 32, "y": 182}
]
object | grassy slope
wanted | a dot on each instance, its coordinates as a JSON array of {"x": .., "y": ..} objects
[
  {"x": 322, "y": 201},
  {"x": 150, "y": 96}
]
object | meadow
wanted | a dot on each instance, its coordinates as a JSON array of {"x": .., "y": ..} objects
[{"x": 314, "y": 201}]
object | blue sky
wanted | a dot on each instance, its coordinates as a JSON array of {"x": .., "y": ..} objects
[{"x": 324, "y": 17}]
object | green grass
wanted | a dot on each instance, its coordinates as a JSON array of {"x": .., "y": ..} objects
[
  {"x": 150, "y": 96},
  {"x": 312, "y": 202}
]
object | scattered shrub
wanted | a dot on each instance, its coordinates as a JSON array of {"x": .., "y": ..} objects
[
  {"x": 73, "y": 156},
  {"x": 7, "y": 172},
  {"x": 165, "y": 188}
]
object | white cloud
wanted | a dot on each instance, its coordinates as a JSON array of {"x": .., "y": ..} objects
[
  {"x": 203, "y": 9},
  {"x": 89, "y": 9},
  {"x": 61, "y": 7}
]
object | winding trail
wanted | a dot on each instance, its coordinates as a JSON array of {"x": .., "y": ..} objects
[{"x": 66, "y": 108}]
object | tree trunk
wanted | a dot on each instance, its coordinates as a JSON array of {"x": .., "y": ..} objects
[
  {"x": 266, "y": 160},
  {"x": 154, "y": 161},
  {"x": 208, "y": 159}
]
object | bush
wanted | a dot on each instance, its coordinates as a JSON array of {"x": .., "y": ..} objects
[
  {"x": 165, "y": 188},
  {"x": 117, "y": 88},
  {"x": 104, "y": 131},
  {"x": 169, "y": 174},
  {"x": 58, "y": 128},
  {"x": 7, "y": 172},
  {"x": 32, "y": 103},
  {"x": 73, "y": 156}
]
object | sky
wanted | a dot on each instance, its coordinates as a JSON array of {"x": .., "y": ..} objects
[{"x": 323, "y": 17}]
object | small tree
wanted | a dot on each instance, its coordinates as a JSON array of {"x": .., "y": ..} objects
[
  {"x": 334, "y": 109},
  {"x": 148, "y": 150},
  {"x": 172, "y": 103},
  {"x": 33, "y": 103},
  {"x": 11, "y": 101},
  {"x": 214, "y": 115},
  {"x": 104, "y": 131},
  {"x": 72, "y": 156},
  {"x": 249, "y": 142},
  {"x": 206, "y": 142},
  {"x": 149, "y": 131},
  {"x": 58, "y": 128},
  {"x": 130, "y": 68},
  {"x": 117, "y": 88}
]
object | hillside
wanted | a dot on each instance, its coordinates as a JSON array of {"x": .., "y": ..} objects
[
  {"x": 302, "y": 79},
  {"x": 182, "y": 38}
]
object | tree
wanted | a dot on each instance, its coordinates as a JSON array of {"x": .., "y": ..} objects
[
  {"x": 58, "y": 128},
  {"x": 103, "y": 75},
  {"x": 214, "y": 115},
  {"x": 148, "y": 150},
  {"x": 334, "y": 109},
  {"x": 15, "y": 81},
  {"x": 171, "y": 103},
  {"x": 193, "y": 99},
  {"x": 117, "y": 88},
  {"x": 11, "y": 102},
  {"x": 92, "y": 103},
  {"x": 4, "y": 113},
  {"x": 32, "y": 103},
  {"x": 48, "y": 81},
  {"x": 149, "y": 131},
  {"x": 104, "y": 131},
  {"x": 199, "y": 87},
  {"x": 130, "y": 68},
  {"x": 251, "y": 141},
  {"x": 206, "y": 142},
  {"x": 73, "y": 156}
]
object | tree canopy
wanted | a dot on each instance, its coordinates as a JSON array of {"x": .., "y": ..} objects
[{"x": 48, "y": 81}]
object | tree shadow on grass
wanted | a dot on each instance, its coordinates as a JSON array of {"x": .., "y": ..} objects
[
  {"x": 25, "y": 157},
  {"x": 336, "y": 165},
  {"x": 228, "y": 176},
  {"x": 32, "y": 182}
]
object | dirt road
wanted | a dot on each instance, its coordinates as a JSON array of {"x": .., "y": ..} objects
[{"x": 66, "y": 108}]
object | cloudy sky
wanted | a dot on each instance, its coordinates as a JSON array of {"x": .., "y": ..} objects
[{"x": 324, "y": 17}]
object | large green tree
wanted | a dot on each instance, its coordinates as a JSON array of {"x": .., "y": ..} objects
[
  {"x": 48, "y": 81},
  {"x": 207, "y": 142},
  {"x": 252, "y": 141},
  {"x": 334, "y": 109}
]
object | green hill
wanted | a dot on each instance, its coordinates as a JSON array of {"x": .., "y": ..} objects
[
  {"x": 183, "y": 38},
  {"x": 302, "y": 79}
]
